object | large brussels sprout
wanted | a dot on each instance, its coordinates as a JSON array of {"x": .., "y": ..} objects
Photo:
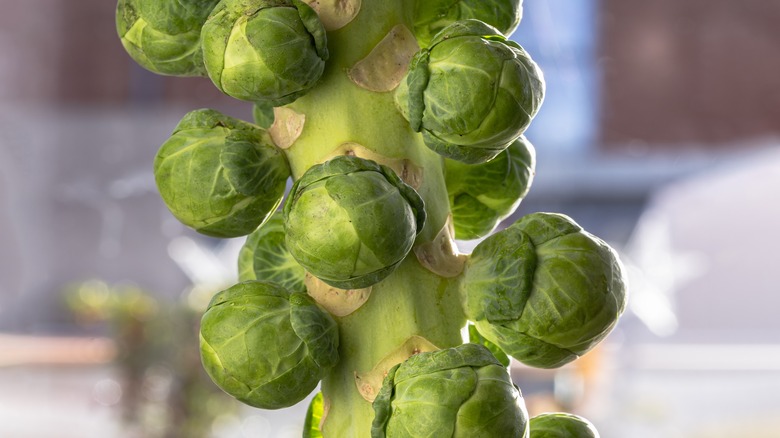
[
  {"x": 219, "y": 175},
  {"x": 264, "y": 50},
  {"x": 561, "y": 425},
  {"x": 431, "y": 16},
  {"x": 350, "y": 222},
  {"x": 264, "y": 257},
  {"x": 468, "y": 59},
  {"x": 265, "y": 346},
  {"x": 482, "y": 195},
  {"x": 164, "y": 35},
  {"x": 544, "y": 290},
  {"x": 461, "y": 392}
]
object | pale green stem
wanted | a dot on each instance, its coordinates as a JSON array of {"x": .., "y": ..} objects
[{"x": 413, "y": 300}]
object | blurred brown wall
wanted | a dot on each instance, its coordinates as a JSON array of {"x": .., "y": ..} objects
[
  {"x": 689, "y": 72},
  {"x": 66, "y": 51}
]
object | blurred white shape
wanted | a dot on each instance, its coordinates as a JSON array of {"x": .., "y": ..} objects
[
  {"x": 226, "y": 426},
  {"x": 708, "y": 357},
  {"x": 202, "y": 265},
  {"x": 657, "y": 270},
  {"x": 289, "y": 432},
  {"x": 706, "y": 248},
  {"x": 107, "y": 392},
  {"x": 133, "y": 184},
  {"x": 256, "y": 426}
]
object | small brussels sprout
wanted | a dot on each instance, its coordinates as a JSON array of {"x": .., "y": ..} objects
[
  {"x": 219, "y": 175},
  {"x": 264, "y": 257},
  {"x": 466, "y": 59},
  {"x": 482, "y": 195},
  {"x": 350, "y": 222},
  {"x": 265, "y": 346},
  {"x": 461, "y": 392},
  {"x": 431, "y": 16},
  {"x": 163, "y": 36},
  {"x": 544, "y": 290},
  {"x": 561, "y": 425},
  {"x": 264, "y": 50}
]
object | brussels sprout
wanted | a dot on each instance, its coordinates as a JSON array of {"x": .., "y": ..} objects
[
  {"x": 431, "y": 16},
  {"x": 461, "y": 392},
  {"x": 164, "y": 35},
  {"x": 264, "y": 257},
  {"x": 466, "y": 59},
  {"x": 219, "y": 175},
  {"x": 265, "y": 346},
  {"x": 264, "y": 50},
  {"x": 544, "y": 290},
  {"x": 561, "y": 425},
  {"x": 350, "y": 222},
  {"x": 482, "y": 195}
]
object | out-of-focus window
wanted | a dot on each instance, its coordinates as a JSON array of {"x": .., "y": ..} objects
[{"x": 561, "y": 37}]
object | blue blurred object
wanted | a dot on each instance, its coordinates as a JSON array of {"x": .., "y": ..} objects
[{"x": 561, "y": 37}]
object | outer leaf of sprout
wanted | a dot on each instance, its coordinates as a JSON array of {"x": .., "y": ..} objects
[
  {"x": 314, "y": 416},
  {"x": 431, "y": 16}
]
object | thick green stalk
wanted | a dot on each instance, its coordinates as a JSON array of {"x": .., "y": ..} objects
[{"x": 413, "y": 300}]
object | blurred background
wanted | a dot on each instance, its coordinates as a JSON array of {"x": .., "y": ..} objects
[{"x": 660, "y": 133}]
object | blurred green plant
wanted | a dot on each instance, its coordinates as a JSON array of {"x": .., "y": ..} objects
[{"x": 165, "y": 391}]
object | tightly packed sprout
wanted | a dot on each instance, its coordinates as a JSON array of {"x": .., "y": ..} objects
[
  {"x": 219, "y": 175},
  {"x": 350, "y": 221},
  {"x": 163, "y": 36},
  {"x": 264, "y": 50},
  {"x": 544, "y": 290},
  {"x": 466, "y": 59},
  {"x": 265, "y": 346},
  {"x": 473, "y": 392},
  {"x": 401, "y": 124}
]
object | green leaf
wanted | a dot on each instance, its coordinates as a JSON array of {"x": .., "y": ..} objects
[
  {"x": 263, "y": 113},
  {"x": 311, "y": 428},
  {"x": 431, "y": 16},
  {"x": 417, "y": 82}
]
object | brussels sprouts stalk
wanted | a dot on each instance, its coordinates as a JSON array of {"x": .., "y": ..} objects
[{"x": 412, "y": 300}]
